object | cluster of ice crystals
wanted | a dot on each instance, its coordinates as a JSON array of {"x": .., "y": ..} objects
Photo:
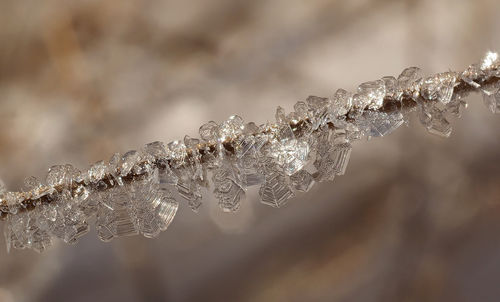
[
  {"x": 104, "y": 194},
  {"x": 96, "y": 172},
  {"x": 140, "y": 207},
  {"x": 289, "y": 153},
  {"x": 471, "y": 74},
  {"x": 135, "y": 193},
  {"x": 61, "y": 175},
  {"x": 62, "y": 217},
  {"x": 24, "y": 231},
  {"x": 490, "y": 61},
  {"x": 487, "y": 68}
]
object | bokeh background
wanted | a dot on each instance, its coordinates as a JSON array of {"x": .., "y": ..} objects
[{"x": 415, "y": 218}]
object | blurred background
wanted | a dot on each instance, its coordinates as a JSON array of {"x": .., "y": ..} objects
[{"x": 415, "y": 218}]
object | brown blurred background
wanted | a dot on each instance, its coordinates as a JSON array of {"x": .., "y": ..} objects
[{"x": 415, "y": 218}]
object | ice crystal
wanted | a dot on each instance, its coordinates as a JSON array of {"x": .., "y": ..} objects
[
  {"x": 371, "y": 95},
  {"x": 408, "y": 76},
  {"x": 209, "y": 131},
  {"x": 491, "y": 59},
  {"x": 439, "y": 87},
  {"x": 302, "y": 180},
  {"x": 227, "y": 189},
  {"x": 134, "y": 193},
  {"x": 378, "y": 124},
  {"x": 276, "y": 189},
  {"x": 97, "y": 171},
  {"x": 434, "y": 120},
  {"x": 491, "y": 97},
  {"x": 342, "y": 103},
  {"x": 392, "y": 89}
]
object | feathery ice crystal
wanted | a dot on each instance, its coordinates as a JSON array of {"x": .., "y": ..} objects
[{"x": 135, "y": 193}]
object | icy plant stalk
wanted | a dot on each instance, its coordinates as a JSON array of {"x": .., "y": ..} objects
[{"x": 135, "y": 193}]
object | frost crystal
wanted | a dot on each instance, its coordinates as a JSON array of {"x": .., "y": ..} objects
[
  {"x": 435, "y": 121},
  {"x": 392, "y": 88},
  {"x": 134, "y": 193},
  {"x": 318, "y": 106},
  {"x": 155, "y": 151},
  {"x": 491, "y": 59},
  {"x": 371, "y": 95},
  {"x": 341, "y": 103},
  {"x": 491, "y": 97},
  {"x": 291, "y": 155},
  {"x": 333, "y": 162},
  {"x": 276, "y": 189},
  {"x": 408, "y": 76},
  {"x": 32, "y": 183},
  {"x": 231, "y": 128},
  {"x": 61, "y": 175},
  {"x": 209, "y": 131},
  {"x": 439, "y": 87},
  {"x": 378, "y": 124},
  {"x": 227, "y": 190},
  {"x": 97, "y": 172},
  {"x": 129, "y": 159},
  {"x": 177, "y": 151},
  {"x": 302, "y": 181}
]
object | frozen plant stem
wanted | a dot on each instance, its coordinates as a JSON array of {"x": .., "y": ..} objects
[{"x": 135, "y": 193}]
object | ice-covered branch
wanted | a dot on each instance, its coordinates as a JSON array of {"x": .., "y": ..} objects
[{"x": 135, "y": 193}]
